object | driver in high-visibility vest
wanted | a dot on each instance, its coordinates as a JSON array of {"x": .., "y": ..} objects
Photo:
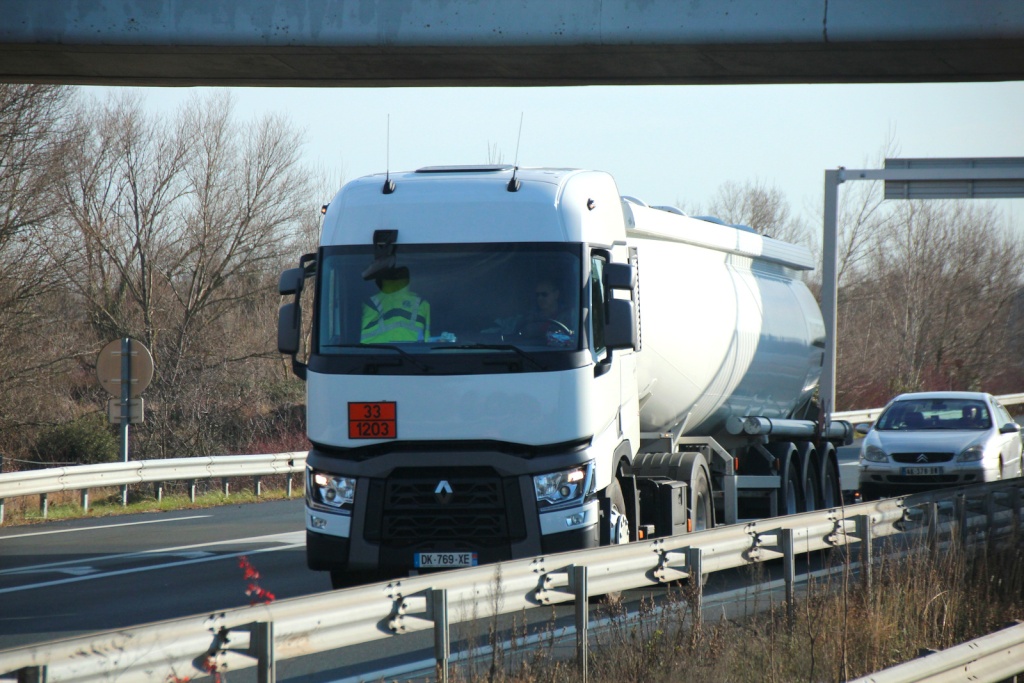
[{"x": 395, "y": 313}]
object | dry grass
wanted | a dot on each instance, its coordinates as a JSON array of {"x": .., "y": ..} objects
[{"x": 839, "y": 629}]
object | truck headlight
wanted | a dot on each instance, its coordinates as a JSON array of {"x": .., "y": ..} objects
[
  {"x": 331, "y": 490},
  {"x": 564, "y": 488},
  {"x": 873, "y": 453},
  {"x": 971, "y": 453}
]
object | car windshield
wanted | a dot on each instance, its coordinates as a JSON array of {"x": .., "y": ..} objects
[
  {"x": 430, "y": 299},
  {"x": 935, "y": 413}
]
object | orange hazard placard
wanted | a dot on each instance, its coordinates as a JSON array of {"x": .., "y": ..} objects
[{"x": 373, "y": 420}]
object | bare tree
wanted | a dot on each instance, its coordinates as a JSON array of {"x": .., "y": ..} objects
[
  {"x": 243, "y": 211},
  {"x": 934, "y": 308},
  {"x": 758, "y": 206},
  {"x": 120, "y": 196},
  {"x": 33, "y": 121}
]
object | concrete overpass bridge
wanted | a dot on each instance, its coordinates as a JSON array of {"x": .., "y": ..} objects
[{"x": 508, "y": 42}]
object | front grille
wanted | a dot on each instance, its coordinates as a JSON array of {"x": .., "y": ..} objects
[
  {"x": 915, "y": 458},
  {"x": 482, "y": 508}
]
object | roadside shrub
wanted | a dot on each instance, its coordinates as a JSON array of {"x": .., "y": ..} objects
[{"x": 85, "y": 441}]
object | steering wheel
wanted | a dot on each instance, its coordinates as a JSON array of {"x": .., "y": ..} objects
[{"x": 533, "y": 329}]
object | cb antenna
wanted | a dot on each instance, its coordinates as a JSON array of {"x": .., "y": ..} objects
[
  {"x": 513, "y": 184},
  {"x": 389, "y": 184}
]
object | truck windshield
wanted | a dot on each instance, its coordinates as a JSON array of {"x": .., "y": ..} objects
[{"x": 433, "y": 299}]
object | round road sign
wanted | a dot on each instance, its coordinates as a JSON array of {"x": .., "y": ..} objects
[{"x": 108, "y": 367}]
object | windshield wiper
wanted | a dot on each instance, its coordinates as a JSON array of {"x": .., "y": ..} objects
[
  {"x": 494, "y": 347},
  {"x": 387, "y": 347}
]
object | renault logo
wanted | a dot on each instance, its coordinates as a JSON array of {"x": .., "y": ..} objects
[
  {"x": 443, "y": 492},
  {"x": 923, "y": 457}
]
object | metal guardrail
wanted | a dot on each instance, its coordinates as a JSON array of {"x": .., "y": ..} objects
[
  {"x": 871, "y": 414},
  {"x": 262, "y": 635},
  {"x": 84, "y": 477},
  {"x": 995, "y": 657}
]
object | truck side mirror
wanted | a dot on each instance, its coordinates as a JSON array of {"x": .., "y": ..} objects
[
  {"x": 620, "y": 276},
  {"x": 289, "y": 328},
  {"x": 291, "y": 281},
  {"x": 289, "y": 318},
  {"x": 620, "y": 329}
]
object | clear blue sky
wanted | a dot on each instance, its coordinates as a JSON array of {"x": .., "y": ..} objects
[{"x": 664, "y": 144}]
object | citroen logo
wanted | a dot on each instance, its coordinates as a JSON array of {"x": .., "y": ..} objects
[
  {"x": 923, "y": 457},
  {"x": 443, "y": 492}
]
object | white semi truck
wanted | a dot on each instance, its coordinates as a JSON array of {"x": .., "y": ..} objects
[{"x": 507, "y": 362}]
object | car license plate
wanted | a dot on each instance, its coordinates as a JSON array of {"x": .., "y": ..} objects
[
  {"x": 444, "y": 560},
  {"x": 920, "y": 471}
]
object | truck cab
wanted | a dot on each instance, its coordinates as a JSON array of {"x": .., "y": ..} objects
[{"x": 471, "y": 390}]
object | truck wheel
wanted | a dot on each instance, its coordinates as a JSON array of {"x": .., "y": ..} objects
[
  {"x": 790, "y": 503},
  {"x": 810, "y": 471},
  {"x": 617, "y": 523},
  {"x": 831, "y": 491},
  {"x": 701, "y": 499}
]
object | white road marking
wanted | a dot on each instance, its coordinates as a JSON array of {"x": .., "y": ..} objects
[
  {"x": 293, "y": 537},
  {"x": 105, "y": 526}
]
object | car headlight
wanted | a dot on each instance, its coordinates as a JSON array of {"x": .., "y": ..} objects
[
  {"x": 332, "y": 491},
  {"x": 971, "y": 454},
  {"x": 564, "y": 488},
  {"x": 873, "y": 453}
]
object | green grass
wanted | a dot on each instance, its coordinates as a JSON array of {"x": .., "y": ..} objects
[{"x": 107, "y": 503}]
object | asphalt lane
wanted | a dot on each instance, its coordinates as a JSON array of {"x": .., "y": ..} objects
[{"x": 65, "y": 579}]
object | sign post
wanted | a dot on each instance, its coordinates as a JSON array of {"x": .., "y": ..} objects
[{"x": 125, "y": 369}]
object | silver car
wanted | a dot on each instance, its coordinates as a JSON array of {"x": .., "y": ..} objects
[{"x": 933, "y": 439}]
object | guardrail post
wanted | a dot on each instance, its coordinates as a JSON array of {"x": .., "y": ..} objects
[
  {"x": 695, "y": 564},
  {"x": 789, "y": 568},
  {"x": 290, "y": 477},
  {"x": 1, "y": 510},
  {"x": 32, "y": 674},
  {"x": 44, "y": 505},
  {"x": 158, "y": 490},
  {"x": 257, "y": 487},
  {"x": 442, "y": 638},
  {"x": 192, "y": 490},
  {"x": 1014, "y": 501},
  {"x": 266, "y": 662},
  {"x": 85, "y": 499},
  {"x": 582, "y": 596},
  {"x": 124, "y": 496},
  {"x": 225, "y": 486},
  {"x": 960, "y": 510},
  {"x": 931, "y": 511},
  {"x": 990, "y": 515},
  {"x": 864, "y": 533}
]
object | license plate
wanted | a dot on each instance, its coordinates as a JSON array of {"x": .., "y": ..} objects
[
  {"x": 920, "y": 471},
  {"x": 444, "y": 560}
]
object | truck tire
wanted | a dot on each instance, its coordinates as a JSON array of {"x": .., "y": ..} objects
[
  {"x": 615, "y": 526},
  {"x": 810, "y": 475},
  {"x": 789, "y": 494},
  {"x": 831, "y": 487},
  {"x": 702, "y": 511}
]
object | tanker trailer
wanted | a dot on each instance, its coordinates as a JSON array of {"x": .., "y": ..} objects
[
  {"x": 733, "y": 346},
  {"x": 510, "y": 362}
]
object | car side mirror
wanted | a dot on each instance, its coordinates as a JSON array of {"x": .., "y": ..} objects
[
  {"x": 863, "y": 428},
  {"x": 1009, "y": 428}
]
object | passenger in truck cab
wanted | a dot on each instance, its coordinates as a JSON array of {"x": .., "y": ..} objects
[
  {"x": 395, "y": 313},
  {"x": 550, "y": 318}
]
